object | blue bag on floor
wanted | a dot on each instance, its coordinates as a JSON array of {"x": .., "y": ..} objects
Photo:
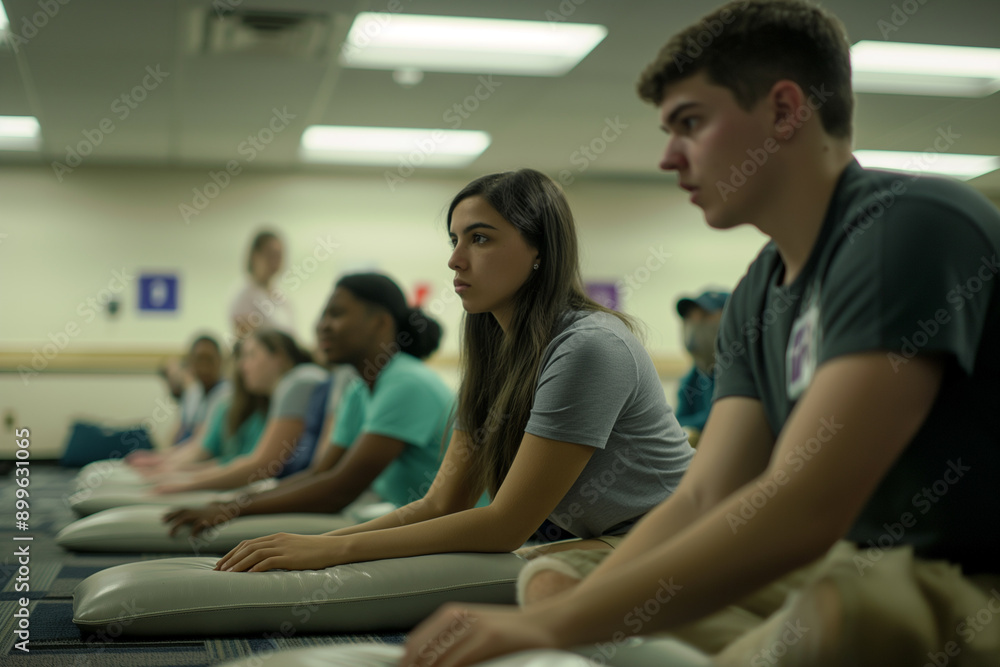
[{"x": 92, "y": 442}]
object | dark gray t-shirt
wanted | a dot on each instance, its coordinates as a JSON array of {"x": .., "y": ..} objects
[
  {"x": 907, "y": 266},
  {"x": 597, "y": 387}
]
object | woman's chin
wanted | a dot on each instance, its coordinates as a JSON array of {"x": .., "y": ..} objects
[{"x": 252, "y": 388}]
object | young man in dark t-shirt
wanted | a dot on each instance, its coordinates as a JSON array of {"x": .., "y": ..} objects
[{"x": 851, "y": 451}]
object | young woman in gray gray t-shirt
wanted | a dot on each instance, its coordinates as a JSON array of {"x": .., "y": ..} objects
[{"x": 561, "y": 414}]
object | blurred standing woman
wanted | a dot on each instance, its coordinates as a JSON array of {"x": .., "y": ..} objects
[{"x": 261, "y": 303}]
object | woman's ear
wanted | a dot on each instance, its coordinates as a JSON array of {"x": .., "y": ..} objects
[{"x": 384, "y": 321}]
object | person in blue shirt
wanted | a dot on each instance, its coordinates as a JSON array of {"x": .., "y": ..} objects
[{"x": 701, "y": 316}]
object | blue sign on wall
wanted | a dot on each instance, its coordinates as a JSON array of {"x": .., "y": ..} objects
[{"x": 158, "y": 292}]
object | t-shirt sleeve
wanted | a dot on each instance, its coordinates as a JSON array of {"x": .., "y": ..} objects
[
  {"x": 733, "y": 372},
  {"x": 685, "y": 406},
  {"x": 584, "y": 384},
  {"x": 349, "y": 416},
  {"x": 220, "y": 394},
  {"x": 215, "y": 425},
  {"x": 406, "y": 411},
  {"x": 291, "y": 397},
  {"x": 910, "y": 286}
]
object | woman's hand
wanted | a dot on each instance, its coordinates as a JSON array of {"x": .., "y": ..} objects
[
  {"x": 143, "y": 456},
  {"x": 167, "y": 486},
  {"x": 198, "y": 518},
  {"x": 152, "y": 471},
  {"x": 458, "y": 635},
  {"x": 284, "y": 551}
]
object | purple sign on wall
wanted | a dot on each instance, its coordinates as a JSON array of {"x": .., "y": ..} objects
[{"x": 605, "y": 294}]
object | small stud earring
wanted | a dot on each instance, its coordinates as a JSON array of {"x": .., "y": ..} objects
[{"x": 536, "y": 267}]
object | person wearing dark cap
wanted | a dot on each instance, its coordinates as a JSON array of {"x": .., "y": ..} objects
[
  {"x": 389, "y": 425},
  {"x": 701, "y": 316}
]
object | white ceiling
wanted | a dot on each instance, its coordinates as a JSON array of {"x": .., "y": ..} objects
[{"x": 89, "y": 53}]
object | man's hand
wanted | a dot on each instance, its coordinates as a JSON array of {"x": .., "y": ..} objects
[{"x": 457, "y": 635}]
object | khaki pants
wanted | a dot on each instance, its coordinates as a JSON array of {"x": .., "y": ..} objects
[{"x": 852, "y": 607}]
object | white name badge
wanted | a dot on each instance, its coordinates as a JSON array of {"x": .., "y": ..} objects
[{"x": 802, "y": 351}]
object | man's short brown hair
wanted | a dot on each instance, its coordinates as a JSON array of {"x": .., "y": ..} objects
[{"x": 749, "y": 45}]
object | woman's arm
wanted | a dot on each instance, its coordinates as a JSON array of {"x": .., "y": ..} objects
[
  {"x": 542, "y": 473},
  {"x": 328, "y": 491},
  {"x": 191, "y": 451},
  {"x": 327, "y": 454},
  {"x": 181, "y": 456},
  {"x": 270, "y": 454},
  {"x": 449, "y": 492}
]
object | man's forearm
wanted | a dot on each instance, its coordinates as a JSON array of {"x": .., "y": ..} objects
[{"x": 690, "y": 574}]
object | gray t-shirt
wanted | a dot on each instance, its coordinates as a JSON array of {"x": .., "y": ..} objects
[
  {"x": 597, "y": 387},
  {"x": 291, "y": 396}
]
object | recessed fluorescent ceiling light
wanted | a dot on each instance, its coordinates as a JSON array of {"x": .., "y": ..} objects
[
  {"x": 19, "y": 133},
  {"x": 452, "y": 44},
  {"x": 392, "y": 146},
  {"x": 962, "y": 167},
  {"x": 3, "y": 22},
  {"x": 925, "y": 69}
]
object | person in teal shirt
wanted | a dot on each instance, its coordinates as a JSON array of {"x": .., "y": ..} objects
[
  {"x": 223, "y": 446},
  {"x": 407, "y": 402}
]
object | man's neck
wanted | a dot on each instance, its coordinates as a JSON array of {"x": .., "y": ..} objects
[{"x": 796, "y": 217}]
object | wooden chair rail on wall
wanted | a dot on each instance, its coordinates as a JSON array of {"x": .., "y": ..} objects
[{"x": 138, "y": 362}]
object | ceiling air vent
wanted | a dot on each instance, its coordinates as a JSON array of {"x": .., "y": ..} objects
[{"x": 264, "y": 33}]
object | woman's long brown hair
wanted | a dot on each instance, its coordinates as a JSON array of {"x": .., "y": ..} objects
[
  {"x": 499, "y": 372},
  {"x": 244, "y": 404}
]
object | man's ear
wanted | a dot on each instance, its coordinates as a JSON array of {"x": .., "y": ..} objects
[{"x": 786, "y": 100}]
